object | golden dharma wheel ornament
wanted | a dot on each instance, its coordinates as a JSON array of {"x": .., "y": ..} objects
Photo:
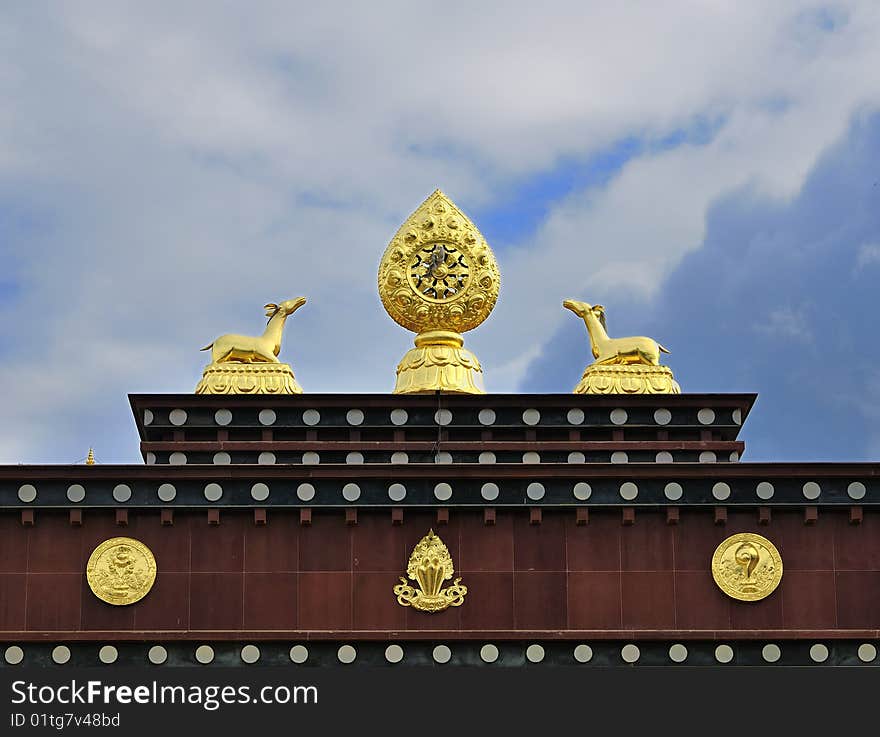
[
  {"x": 439, "y": 278},
  {"x": 429, "y": 566},
  {"x": 747, "y": 566},
  {"x": 121, "y": 571}
]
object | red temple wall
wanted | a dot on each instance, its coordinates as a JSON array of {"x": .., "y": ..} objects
[{"x": 556, "y": 575}]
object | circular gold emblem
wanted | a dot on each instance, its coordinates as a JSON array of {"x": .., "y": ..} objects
[
  {"x": 438, "y": 272},
  {"x": 121, "y": 571},
  {"x": 747, "y": 566}
]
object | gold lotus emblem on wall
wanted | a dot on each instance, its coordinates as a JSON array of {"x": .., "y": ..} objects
[{"x": 429, "y": 566}]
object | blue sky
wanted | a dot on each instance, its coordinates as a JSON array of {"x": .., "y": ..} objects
[{"x": 707, "y": 171}]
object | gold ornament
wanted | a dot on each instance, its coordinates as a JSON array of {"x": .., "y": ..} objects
[
  {"x": 623, "y": 365},
  {"x": 747, "y": 566},
  {"x": 248, "y": 364},
  {"x": 121, "y": 571},
  {"x": 439, "y": 278},
  {"x": 430, "y": 565}
]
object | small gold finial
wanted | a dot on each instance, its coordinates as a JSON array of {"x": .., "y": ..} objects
[
  {"x": 623, "y": 365},
  {"x": 439, "y": 278},
  {"x": 90, "y": 458},
  {"x": 248, "y": 364}
]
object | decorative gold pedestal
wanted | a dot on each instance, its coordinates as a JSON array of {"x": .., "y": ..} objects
[
  {"x": 229, "y": 377},
  {"x": 627, "y": 379},
  {"x": 439, "y": 362}
]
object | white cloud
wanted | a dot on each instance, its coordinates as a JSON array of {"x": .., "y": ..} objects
[{"x": 184, "y": 164}]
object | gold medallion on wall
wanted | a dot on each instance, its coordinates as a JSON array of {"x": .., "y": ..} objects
[
  {"x": 121, "y": 571},
  {"x": 747, "y": 567},
  {"x": 429, "y": 566}
]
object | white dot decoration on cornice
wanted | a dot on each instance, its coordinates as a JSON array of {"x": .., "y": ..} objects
[
  {"x": 346, "y": 654},
  {"x": 734, "y": 457},
  {"x": 122, "y": 492},
  {"x": 305, "y": 492},
  {"x": 582, "y": 491},
  {"x": 354, "y": 458},
  {"x": 204, "y": 654},
  {"x": 531, "y": 456},
  {"x": 535, "y": 653},
  {"x": 737, "y": 417},
  {"x": 489, "y": 653},
  {"x": 662, "y": 416},
  {"x": 721, "y": 491},
  {"x": 867, "y": 652},
  {"x": 177, "y": 417},
  {"x": 311, "y": 417},
  {"x": 630, "y": 653},
  {"x": 148, "y": 417},
  {"x": 108, "y": 654},
  {"x": 61, "y": 654},
  {"x": 167, "y": 492},
  {"x": 619, "y": 456},
  {"x": 259, "y": 492},
  {"x": 299, "y": 654},
  {"x": 724, "y": 653},
  {"x": 576, "y": 457},
  {"x": 151, "y": 459},
  {"x": 310, "y": 458},
  {"x": 267, "y": 417},
  {"x": 583, "y": 653},
  {"x": 535, "y": 491},
  {"x": 486, "y": 416},
  {"x": 266, "y": 458},
  {"x": 443, "y": 417},
  {"x": 213, "y": 492},
  {"x": 819, "y": 653},
  {"x": 489, "y": 491},
  {"x": 673, "y": 491},
  {"x": 664, "y": 456},
  {"x": 441, "y": 654},
  {"x": 394, "y": 653},
  {"x": 222, "y": 458},
  {"x": 13, "y": 655},
  {"x": 351, "y": 492},
  {"x": 177, "y": 459},
  {"x": 487, "y": 457},
  {"x": 396, "y": 492},
  {"x": 575, "y": 416},
  {"x": 764, "y": 490},
  {"x": 531, "y": 416},
  {"x": 707, "y": 456},
  {"x": 354, "y": 417},
  {"x": 706, "y": 416},
  {"x": 811, "y": 490},
  {"x": 678, "y": 653},
  {"x": 771, "y": 652},
  {"x": 628, "y": 490},
  {"x": 250, "y": 654},
  {"x": 399, "y": 417},
  {"x": 443, "y": 457},
  {"x": 619, "y": 416},
  {"x": 856, "y": 490},
  {"x": 223, "y": 417},
  {"x": 76, "y": 493},
  {"x": 157, "y": 655},
  {"x": 399, "y": 458},
  {"x": 443, "y": 491}
]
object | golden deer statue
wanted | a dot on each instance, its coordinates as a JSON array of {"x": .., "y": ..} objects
[
  {"x": 614, "y": 351},
  {"x": 259, "y": 348}
]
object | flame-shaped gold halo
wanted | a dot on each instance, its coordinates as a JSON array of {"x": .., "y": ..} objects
[{"x": 439, "y": 278}]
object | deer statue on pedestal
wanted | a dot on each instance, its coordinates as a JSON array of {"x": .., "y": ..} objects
[{"x": 260, "y": 348}]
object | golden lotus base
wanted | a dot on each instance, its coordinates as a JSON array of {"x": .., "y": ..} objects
[
  {"x": 248, "y": 378},
  {"x": 627, "y": 379},
  {"x": 439, "y": 362}
]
